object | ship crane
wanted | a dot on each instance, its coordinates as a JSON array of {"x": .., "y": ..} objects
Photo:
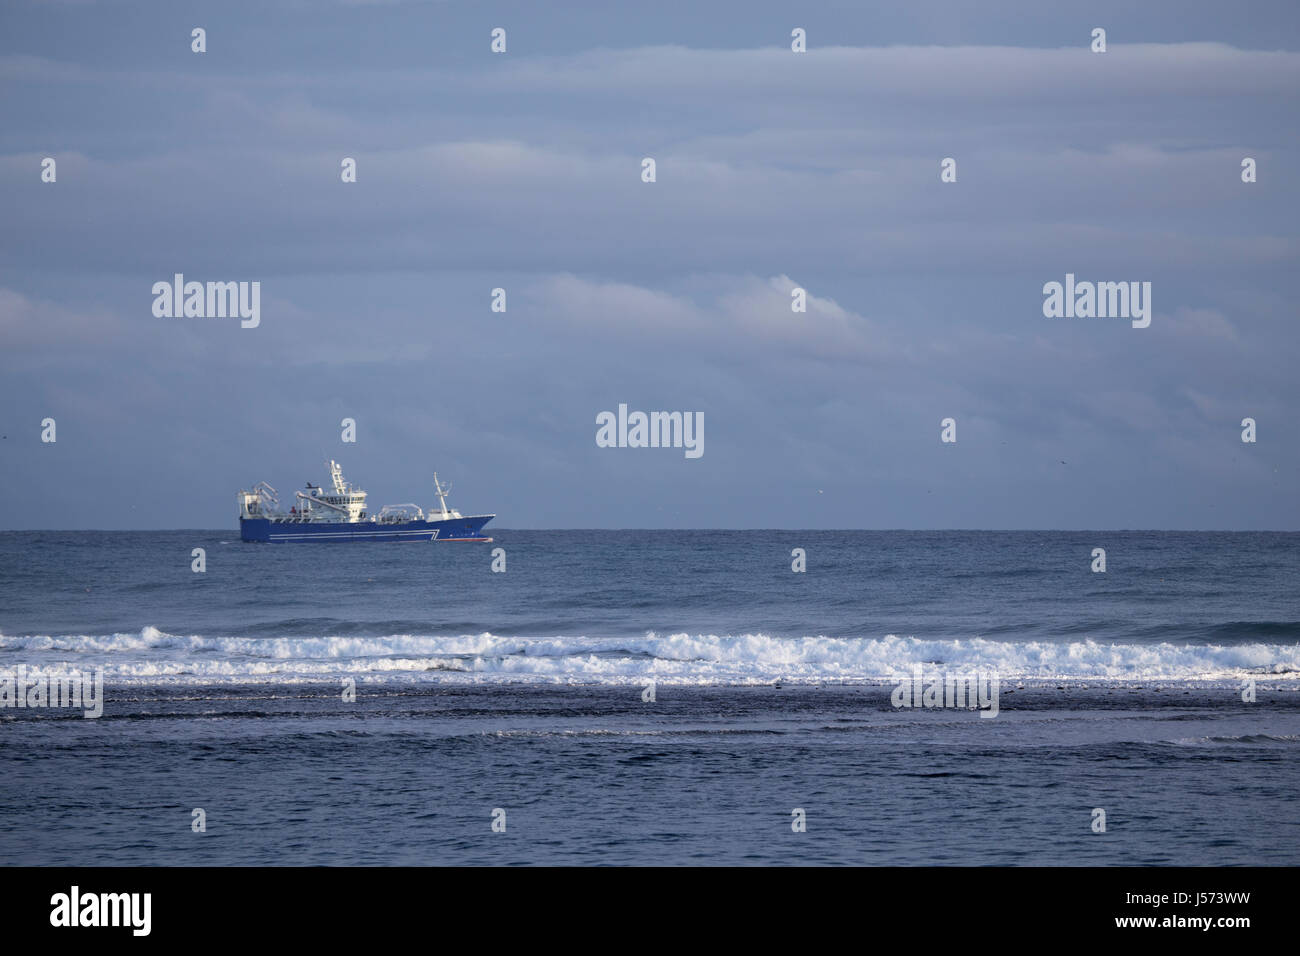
[
  {"x": 268, "y": 495},
  {"x": 321, "y": 501}
]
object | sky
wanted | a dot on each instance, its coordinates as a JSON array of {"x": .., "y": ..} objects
[{"x": 774, "y": 170}]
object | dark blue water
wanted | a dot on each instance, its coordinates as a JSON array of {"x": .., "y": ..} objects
[{"x": 525, "y": 691}]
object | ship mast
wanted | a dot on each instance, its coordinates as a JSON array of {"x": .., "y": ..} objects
[
  {"x": 441, "y": 492},
  {"x": 336, "y": 473}
]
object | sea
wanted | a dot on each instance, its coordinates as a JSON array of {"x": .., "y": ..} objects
[{"x": 654, "y": 698}]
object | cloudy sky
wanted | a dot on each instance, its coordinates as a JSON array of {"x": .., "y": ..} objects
[{"x": 522, "y": 171}]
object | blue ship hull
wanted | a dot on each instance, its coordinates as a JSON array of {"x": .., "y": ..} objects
[{"x": 450, "y": 529}]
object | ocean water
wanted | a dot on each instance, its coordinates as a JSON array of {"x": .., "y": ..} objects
[{"x": 773, "y": 691}]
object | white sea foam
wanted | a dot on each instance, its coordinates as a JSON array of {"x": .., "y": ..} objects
[{"x": 152, "y": 655}]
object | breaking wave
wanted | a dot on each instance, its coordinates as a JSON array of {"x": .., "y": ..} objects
[{"x": 154, "y": 656}]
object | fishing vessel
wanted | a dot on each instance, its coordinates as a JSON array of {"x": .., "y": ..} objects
[{"x": 339, "y": 514}]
